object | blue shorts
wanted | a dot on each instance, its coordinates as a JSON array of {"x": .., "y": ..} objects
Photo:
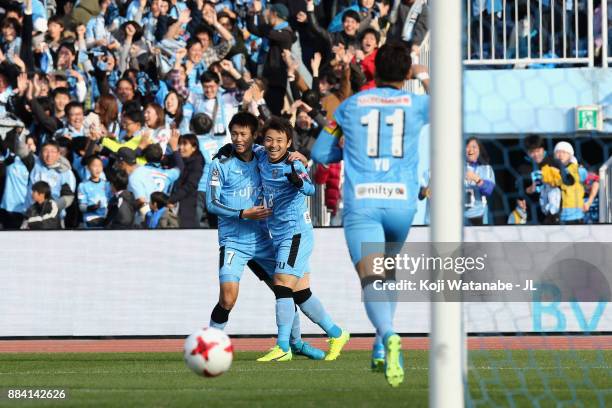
[
  {"x": 258, "y": 257},
  {"x": 380, "y": 225},
  {"x": 293, "y": 254}
]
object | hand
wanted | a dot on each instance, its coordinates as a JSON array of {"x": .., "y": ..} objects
[
  {"x": 180, "y": 54},
  {"x": 114, "y": 45},
  {"x": 315, "y": 62},
  {"x": 174, "y": 138},
  {"x": 294, "y": 178},
  {"x": 75, "y": 74},
  {"x": 471, "y": 176},
  {"x": 297, "y": 156},
  {"x": 102, "y": 42},
  {"x": 359, "y": 55},
  {"x": 228, "y": 66},
  {"x": 310, "y": 6},
  {"x": 210, "y": 17},
  {"x": 22, "y": 83},
  {"x": 145, "y": 140},
  {"x": 586, "y": 206},
  {"x": 130, "y": 31},
  {"x": 256, "y": 213},
  {"x": 19, "y": 62},
  {"x": 80, "y": 30},
  {"x": 348, "y": 56},
  {"x": 301, "y": 17},
  {"x": 185, "y": 16},
  {"x": 531, "y": 189},
  {"x": 225, "y": 151}
]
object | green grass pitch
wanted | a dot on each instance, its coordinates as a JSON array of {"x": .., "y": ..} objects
[{"x": 497, "y": 378}]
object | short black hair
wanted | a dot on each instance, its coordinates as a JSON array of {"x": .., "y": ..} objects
[
  {"x": 51, "y": 142},
  {"x": 153, "y": 153},
  {"x": 88, "y": 160},
  {"x": 209, "y": 76},
  {"x": 245, "y": 119},
  {"x": 533, "y": 142},
  {"x": 200, "y": 123},
  {"x": 370, "y": 30},
  {"x": 73, "y": 104},
  {"x": 62, "y": 90},
  {"x": 42, "y": 187},
  {"x": 393, "y": 62},
  {"x": 352, "y": 14},
  {"x": 160, "y": 199},
  {"x": 280, "y": 125},
  {"x": 119, "y": 180},
  {"x": 69, "y": 45},
  {"x": 134, "y": 115}
]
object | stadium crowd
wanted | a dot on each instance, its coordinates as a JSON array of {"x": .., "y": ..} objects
[{"x": 111, "y": 111}]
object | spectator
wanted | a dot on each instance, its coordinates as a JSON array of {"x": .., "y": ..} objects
[
  {"x": 278, "y": 36},
  {"x": 140, "y": 181},
  {"x": 13, "y": 204},
  {"x": 409, "y": 22},
  {"x": 591, "y": 198},
  {"x": 191, "y": 162},
  {"x": 548, "y": 197},
  {"x": 160, "y": 215},
  {"x": 564, "y": 174},
  {"x": 519, "y": 215},
  {"x": 214, "y": 105},
  {"x": 94, "y": 194},
  {"x": 209, "y": 145},
  {"x": 479, "y": 183},
  {"x": 122, "y": 205},
  {"x": 155, "y": 125},
  {"x": 74, "y": 123},
  {"x": 44, "y": 212},
  {"x": 177, "y": 114}
]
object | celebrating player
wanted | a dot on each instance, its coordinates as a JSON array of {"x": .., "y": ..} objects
[
  {"x": 235, "y": 196},
  {"x": 285, "y": 187},
  {"x": 381, "y": 129}
]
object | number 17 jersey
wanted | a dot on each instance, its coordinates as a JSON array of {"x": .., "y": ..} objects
[{"x": 381, "y": 140}]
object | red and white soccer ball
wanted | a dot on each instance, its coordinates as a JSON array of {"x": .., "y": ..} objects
[{"x": 208, "y": 352}]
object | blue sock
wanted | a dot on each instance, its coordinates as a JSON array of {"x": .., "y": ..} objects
[
  {"x": 285, "y": 313},
  {"x": 379, "y": 311},
  {"x": 392, "y": 296},
  {"x": 378, "y": 340},
  {"x": 313, "y": 308},
  {"x": 295, "y": 339}
]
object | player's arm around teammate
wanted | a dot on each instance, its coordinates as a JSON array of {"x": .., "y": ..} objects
[{"x": 285, "y": 187}]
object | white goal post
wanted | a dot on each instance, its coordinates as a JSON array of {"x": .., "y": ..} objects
[{"x": 447, "y": 341}]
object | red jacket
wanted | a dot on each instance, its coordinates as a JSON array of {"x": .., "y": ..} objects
[
  {"x": 369, "y": 69},
  {"x": 330, "y": 176}
]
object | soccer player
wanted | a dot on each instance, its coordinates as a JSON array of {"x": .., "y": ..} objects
[
  {"x": 380, "y": 129},
  {"x": 234, "y": 194},
  {"x": 285, "y": 187}
]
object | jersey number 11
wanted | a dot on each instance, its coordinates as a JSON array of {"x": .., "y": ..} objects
[{"x": 396, "y": 121}]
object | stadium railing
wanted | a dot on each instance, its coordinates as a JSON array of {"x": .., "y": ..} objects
[
  {"x": 605, "y": 192},
  {"x": 547, "y": 34}
]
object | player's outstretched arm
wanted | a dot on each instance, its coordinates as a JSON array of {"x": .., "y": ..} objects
[{"x": 326, "y": 149}]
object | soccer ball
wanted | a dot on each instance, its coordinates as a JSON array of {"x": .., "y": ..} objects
[{"x": 208, "y": 352}]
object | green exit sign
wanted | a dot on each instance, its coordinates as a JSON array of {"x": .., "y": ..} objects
[{"x": 589, "y": 118}]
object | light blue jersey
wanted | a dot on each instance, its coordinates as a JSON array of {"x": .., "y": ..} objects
[
  {"x": 234, "y": 185},
  {"x": 141, "y": 183},
  {"x": 381, "y": 129},
  {"x": 290, "y": 212},
  {"x": 164, "y": 178},
  {"x": 15, "y": 187},
  {"x": 91, "y": 193}
]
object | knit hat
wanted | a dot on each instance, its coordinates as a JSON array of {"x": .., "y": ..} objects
[{"x": 564, "y": 147}]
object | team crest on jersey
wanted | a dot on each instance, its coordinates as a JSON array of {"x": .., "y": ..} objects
[
  {"x": 214, "y": 178},
  {"x": 275, "y": 173}
]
